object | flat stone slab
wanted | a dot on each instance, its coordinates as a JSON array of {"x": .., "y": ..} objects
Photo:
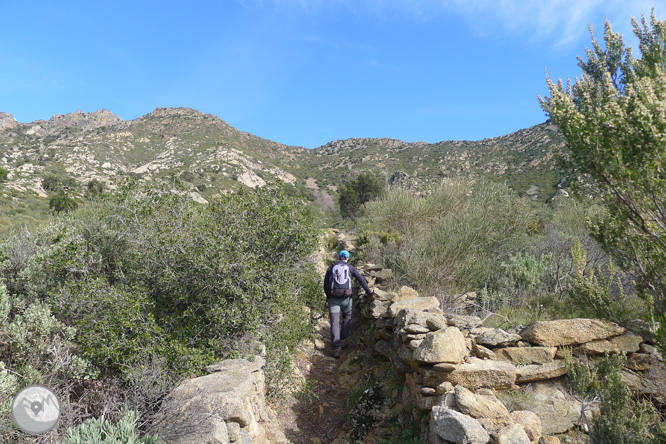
[
  {"x": 570, "y": 332},
  {"x": 540, "y": 372}
]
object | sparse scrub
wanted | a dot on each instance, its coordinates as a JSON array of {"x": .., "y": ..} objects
[{"x": 446, "y": 241}]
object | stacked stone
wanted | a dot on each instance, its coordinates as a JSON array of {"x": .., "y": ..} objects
[{"x": 463, "y": 373}]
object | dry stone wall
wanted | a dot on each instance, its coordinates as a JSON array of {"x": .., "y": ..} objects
[{"x": 487, "y": 385}]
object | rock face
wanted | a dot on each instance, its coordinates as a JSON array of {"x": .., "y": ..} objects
[{"x": 226, "y": 406}]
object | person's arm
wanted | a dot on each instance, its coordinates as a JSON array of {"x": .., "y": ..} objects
[
  {"x": 361, "y": 280},
  {"x": 327, "y": 278}
]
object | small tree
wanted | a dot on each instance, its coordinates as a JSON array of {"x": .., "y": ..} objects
[
  {"x": 3, "y": 174},
  {"x": 356, "y": 192},
  {"x": 614, "y": 121}
]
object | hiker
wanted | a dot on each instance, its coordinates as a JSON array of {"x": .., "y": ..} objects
[{"x": 338, "y": 289}]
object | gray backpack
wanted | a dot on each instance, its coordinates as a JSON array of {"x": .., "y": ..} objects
[{"x": 341, "y": 282}]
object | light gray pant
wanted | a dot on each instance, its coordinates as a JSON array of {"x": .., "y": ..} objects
[{"x": 335, "y": 307}]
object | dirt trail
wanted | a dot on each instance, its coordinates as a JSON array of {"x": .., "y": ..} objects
[{"x": 319, "y": 415}]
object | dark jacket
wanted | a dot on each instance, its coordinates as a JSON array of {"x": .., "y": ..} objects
[{"x": 354, "y": 272}]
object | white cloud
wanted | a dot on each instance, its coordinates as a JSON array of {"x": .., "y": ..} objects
[{"x": 557, "y": 23}]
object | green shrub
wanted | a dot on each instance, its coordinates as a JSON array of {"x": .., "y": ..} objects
[
  {"x": 3, "y": 174},
  {"x": 94, "y": 431},
  {"x": 622, "y": 419}
]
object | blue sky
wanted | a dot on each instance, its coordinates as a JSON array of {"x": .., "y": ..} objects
[{"x": 304, "y": 72}]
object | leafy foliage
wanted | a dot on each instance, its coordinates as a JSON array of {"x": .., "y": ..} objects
[
  {"x": 3, "y": 174},
  {"x": 614, "y": 121}
]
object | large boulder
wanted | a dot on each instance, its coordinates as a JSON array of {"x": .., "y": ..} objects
[
  {"x": 570, "y": 332},
  {"x": 558, "y": 413},
  {"x": 455, "y": 427},
  {"x": 447, "y": 345}
]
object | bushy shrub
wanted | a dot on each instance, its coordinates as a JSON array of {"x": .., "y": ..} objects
[
  {"x": 62, "y": 203},
  {"x": 152, "y": 273}
]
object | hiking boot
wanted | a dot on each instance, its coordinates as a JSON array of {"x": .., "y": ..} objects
[
  {"x": 344, "y": 344},
  {"x": 337, "y": 353}
]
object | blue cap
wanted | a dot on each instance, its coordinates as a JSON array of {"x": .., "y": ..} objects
[{"x": 344, "y": 253}]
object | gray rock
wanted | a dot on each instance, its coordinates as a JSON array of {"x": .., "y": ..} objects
[{"x": 513, "y": 434}]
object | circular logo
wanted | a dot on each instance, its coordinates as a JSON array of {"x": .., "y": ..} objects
[{"x": 36, "y": 409}]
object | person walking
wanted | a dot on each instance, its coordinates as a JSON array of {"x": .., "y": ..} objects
[{"x": 338, "y": 289}]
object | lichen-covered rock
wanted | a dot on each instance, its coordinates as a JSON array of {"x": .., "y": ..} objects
[
  {"x": 413, "y": 304},
  {"x": 526, "y": 355},
  {"x": 513, "y": 434},
  {"x": 570, "y": 332},
  {"x": 530, "y": 421},
  {"x": 475, "y": 373},
  {"x": 447, "y": 345},
  {"x": 405, "y": 293},
  {"x": 558, "y": 413},
  {"x": 462, "y": 321},
  {"x": 205, "y": 409}
]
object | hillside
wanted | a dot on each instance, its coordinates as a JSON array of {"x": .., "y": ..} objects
[{"x": 208, "y": 156}]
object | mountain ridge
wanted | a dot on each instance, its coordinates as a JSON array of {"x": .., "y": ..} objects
[{"x": 210, "y": 156}]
